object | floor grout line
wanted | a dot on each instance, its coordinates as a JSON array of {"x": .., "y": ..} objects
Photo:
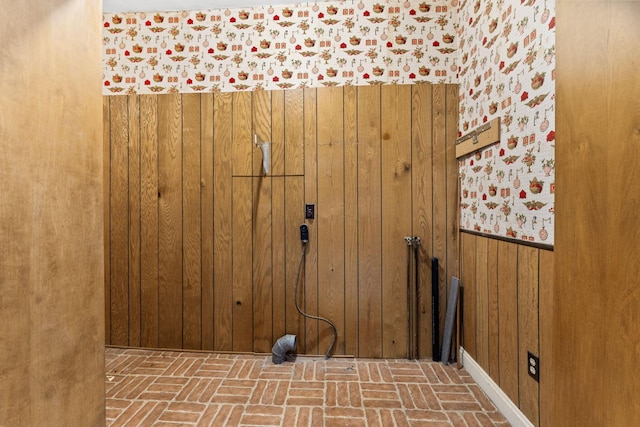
[{"x": 202, "y": 389}]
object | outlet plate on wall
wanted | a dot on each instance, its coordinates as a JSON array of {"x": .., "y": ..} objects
[{"x": 533, "y": 363}]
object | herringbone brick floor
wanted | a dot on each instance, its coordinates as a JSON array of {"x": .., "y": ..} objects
[{"x": 173, "y": 389}]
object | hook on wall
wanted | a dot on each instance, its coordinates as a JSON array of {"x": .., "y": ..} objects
[{"x": 264, "y": 147}]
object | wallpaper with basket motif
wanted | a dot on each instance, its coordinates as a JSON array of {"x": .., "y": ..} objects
[
  {"x": 507, "y": 50},
  {"x": 351, "y": 42}
]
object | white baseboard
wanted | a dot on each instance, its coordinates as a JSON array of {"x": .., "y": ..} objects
[{"x": 510, "y": 411}]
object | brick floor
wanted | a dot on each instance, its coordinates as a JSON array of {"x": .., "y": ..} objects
[{"x": 173, "y": 389}]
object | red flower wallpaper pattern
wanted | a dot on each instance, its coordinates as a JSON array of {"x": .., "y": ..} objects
[
  {"x": 507, "y": 50},
  {"x": 352, "y": 42}
]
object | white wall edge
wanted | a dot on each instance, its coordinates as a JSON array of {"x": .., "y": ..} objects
[{"x": 510, "y": 411}]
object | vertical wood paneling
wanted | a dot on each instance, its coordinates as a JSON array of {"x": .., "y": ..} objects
[
  {"x": 513, "y": 297},
  {"x": 278, "y": 253},
  {"x": 451, "y": 173},
  {"x": 149, "y": 191},
  {"x": 262, "y": 235},
  {"x": 170, "y": 221},
  {"x": 106, "y": 155},
  {"x": 242, "y": 143},
  {"x": 330, "y": 216},
  {"x": 191, "y": 224},
  {"x": 396, "y": 168},
  {"x": 278, "y": 121},
  {"x": 242, "y": 264},
  {"x": 351, "y": 222},
  {"x": 468, "y": 287},
  {"x": 493, "y": 266},
  {"x": 134, "y": 220},
  {"x": 262, "y": 265},
  {"x": 546, "y": 340},
  {"x": 369, "y": 230},
  {"x": 452, "y": 200},
  {"x": 294, "y": 136},
  {"x": 508, "y": 318},
  {"x": 439, "y": 205},
  {"x": 206, "y": 216},
  {"x": 422, "y": 199},
  {"x": 482, "y": 304},
  {"x": 310, "y": 284},
  {"x": 223, "y": 301},
  {"x": 528, "y": 265},
  {"x": 219, "y": 242},
  {"x": 119, "y": 222},
  {"x": 261, "y": 119},
  {"x": 596, "y": 295},
  {"x": 51, "y": 215},
  {"x": 294, "y": 216}
]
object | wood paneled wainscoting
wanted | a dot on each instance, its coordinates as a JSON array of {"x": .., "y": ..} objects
[
  {"x": 507, "y": 308},
  {"x": 203, "y": 247}
]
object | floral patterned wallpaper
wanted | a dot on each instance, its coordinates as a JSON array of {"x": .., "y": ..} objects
[
  {"x": 347, "y": 42},
  {"x": 507, "y": 60}
]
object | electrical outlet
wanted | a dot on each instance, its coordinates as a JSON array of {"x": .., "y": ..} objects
[
  {"x": 309, "y": 211},
  {"x": 534, "y": 366}
]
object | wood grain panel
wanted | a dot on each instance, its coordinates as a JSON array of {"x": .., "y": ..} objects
[
  {"x": 545, "y": 319},
  {"x": 294, "y": 216},
  {"x": 106, "y": 174},
  {"x": 451, "y": 173},
  {"x": 596, "y": 297},
  {"x": 262, "y": 265},
  {"x": 468, "y": 287},
  {"x": 191, "y": 224},
  {"x": 508, "y": 318},
  {"x": 369, "y": 230},
  {"x": 223, "y": 302},
  {"x": 422, "y": 199},
  {"x": 493, "y": 263},
  {"x": 261, "y": 112},
  {"x": 242, "y": 143},
  {"x": 294, "y": 141},
  {"x": 206, "y": 216},
  {"x": 528, "y": 307},
  {"x": 119, "y": 222},
  {"x": 133, "y": 110},
  {"x": 439, "y": 206},
  {"x": 149, "y": 221},
  {"x": 310, "y": 289},
  {"x": 350, "y": 126},
  {"x": 51, "y": 215},
  {"x": 622, "y": 230},
  {"x": 482, "y": 303},
  {"x": 242, "y": 264},
  {"x": 367, "y": 191},
  {"x": 330, "y": 217},
  {"x": 277, "y": 133},
  {"x": 170, "y": 221},
  {"x": 262, "y": 235},
  {"x": 396, "y": 168},
  {"x": 278, "y": 253}
]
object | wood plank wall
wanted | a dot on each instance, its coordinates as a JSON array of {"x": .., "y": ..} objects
[
  {"x": 203, "y": 247},
  {"x": 596, "y": 334},
  {"x": 51, "y": 218},
  {"x": 508, "y": 308}
]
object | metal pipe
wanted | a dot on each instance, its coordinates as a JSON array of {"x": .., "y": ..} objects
[{"x": 284, "y": 349}]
